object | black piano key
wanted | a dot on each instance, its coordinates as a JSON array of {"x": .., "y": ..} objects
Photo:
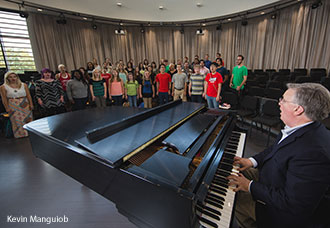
[
  {"x": 231, "y": 151},
  {"x": 233, "y": 141},
  {"x": 220, "y": 179},
  {"x": 218, "y": 213},
  {"x": 231, "y": 146},
  {"x": 234, "y": 138},
  {"x": 222, "y": 188},
  {"x": 225, "y": 167},
  {"x": 227, "y": 160},
  {"x": 219, "y": 191},
  {"x": 221, "y": 184},
  {"x": 236, "y": 134},
  {"x": 224, "y": 170},
  {"x": 216, "y": 199},
  {"x": 227, "y": 155},
  {"x": 213, "y": 203},
  {"x": 208, "y": 222},
  {"x": 206, "y": 212},
  {"x": 222, "y": 173}
]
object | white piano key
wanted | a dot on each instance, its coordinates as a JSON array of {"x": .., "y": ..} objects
[{"x": 228, "y": 203}]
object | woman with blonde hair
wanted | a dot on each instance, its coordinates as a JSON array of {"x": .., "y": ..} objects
[
  {"x": 98, "y": 88},
  {"x": 122, "y": 73},
  {"x": 17, "y": 101}
]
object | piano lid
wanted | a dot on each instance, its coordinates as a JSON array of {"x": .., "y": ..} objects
[
  {"x": 182, "y": 138},
  {"x": 120, "y": 146}
]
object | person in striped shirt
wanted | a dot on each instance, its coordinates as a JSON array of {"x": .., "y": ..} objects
[{"x": 196, "y": 85}]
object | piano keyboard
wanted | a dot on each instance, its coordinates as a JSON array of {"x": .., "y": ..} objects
[{"x": 218, "y": 204}]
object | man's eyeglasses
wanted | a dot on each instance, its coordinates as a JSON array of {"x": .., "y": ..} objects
[{"x": 282, "y": 100}]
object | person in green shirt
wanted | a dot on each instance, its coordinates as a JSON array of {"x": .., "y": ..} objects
[
  {"x": 167, "y": 68},
  {"x": 131, "y": 90},
  {"x": 239, "y": 75}
]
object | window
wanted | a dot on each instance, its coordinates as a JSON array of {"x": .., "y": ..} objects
[
  {"x": 16, "y": 48},
  {"x": 2, "y": 61}
]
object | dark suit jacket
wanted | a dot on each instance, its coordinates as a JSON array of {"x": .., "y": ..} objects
[{"x": 294, "y": 180}]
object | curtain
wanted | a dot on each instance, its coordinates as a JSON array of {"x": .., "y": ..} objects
[{"x": 298, "y": 38}]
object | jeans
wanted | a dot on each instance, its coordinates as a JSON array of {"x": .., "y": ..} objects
[
  {"x": 163, "y": 97},
  {"x": 196, "y": 98},
  {"x": 118, "y": 100},
  {"x": 132, "y": 101},
  {"x": 79, "y": 103},
  {"x": 212, "y": 102}
]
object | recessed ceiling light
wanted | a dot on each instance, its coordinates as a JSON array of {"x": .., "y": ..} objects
[
  {"x": 161, "y": 7},
  {"x": 229, "y": 19},
  {"x": 85, "y": 18},
  {"x": 119, "y": 4},
  {"x": 262, "y": 13},
  {"x": 40, "y": 10}
]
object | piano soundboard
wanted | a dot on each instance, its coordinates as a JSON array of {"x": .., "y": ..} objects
[{"x": 162, "y": 167}]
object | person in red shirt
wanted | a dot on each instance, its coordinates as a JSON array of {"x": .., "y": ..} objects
[
  {"x": 212, "y": 87},
  {"x": 163, "y": 85}
]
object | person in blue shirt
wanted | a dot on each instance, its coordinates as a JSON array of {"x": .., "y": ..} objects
[{"x": 207, "y": 61}]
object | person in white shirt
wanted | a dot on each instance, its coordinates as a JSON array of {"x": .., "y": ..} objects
[{"x": 203, "y": 69}]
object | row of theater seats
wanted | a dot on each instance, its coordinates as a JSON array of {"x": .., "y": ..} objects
[{"x": 272, "y": 84}]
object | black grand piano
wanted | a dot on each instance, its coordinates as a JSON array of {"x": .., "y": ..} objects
[{"x": 162, "y": 167}]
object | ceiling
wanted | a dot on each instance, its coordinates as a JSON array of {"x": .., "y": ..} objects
[{"x": 148, "y": 10}]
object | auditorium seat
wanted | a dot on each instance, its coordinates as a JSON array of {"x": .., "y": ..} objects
[
  {"x": 326, "y": 82},
  {"x": 301, "y": 71},
  {"x": 302, "y": 79},
  {"x": 262, "y": 80},
  {"x": 250, "y": 83},
  {"x": 284, "y": 71},
  {"x": 256, "y": 91},
  {"x": 269, "y": 116},
  {"x": 248, "y": 107},
  {"x": 320, "y": 70},
  {"x": 294, "y": 75},
  {"x": 230, "y": 98},
  {"x": 282, "y": 78},
  {"x": 257, "y": 71},
  {"x": 274, "y": 84},
  {"x": 270, "y": 70},
  {"x": 273, "y": 93}
]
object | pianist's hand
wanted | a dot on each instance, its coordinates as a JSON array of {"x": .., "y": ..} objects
[
  {"x": 241, "y": 182},
  {"x": 244, "y": 163}
]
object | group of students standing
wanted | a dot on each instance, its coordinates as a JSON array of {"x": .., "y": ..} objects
[{"x": 58, "y": 93}]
